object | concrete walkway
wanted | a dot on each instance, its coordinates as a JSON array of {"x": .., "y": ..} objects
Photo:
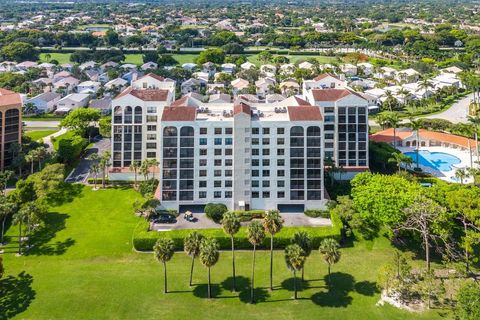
[
  {"x": 48, "y": 139},
  {"x": 291, "y": 220}
]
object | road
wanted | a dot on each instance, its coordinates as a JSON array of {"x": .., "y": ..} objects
[
  {"x": 42, "y": 124},
  {"x": 81, "y": 172},
  {"x": 457, "y": 113}
]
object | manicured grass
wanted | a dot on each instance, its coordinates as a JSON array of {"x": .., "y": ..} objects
[
  {"x": 134, "y": 58},
  {"x": 66, "y": 135},
  {"x": 84, "y": 268},
  {"x": 37, "y": 135},
  {"x": 60, "y": 57},
  {"x": 295, "y": 58}
]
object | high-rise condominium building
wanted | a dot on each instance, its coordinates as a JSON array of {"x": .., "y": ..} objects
[{"x": 10, "y": 124}]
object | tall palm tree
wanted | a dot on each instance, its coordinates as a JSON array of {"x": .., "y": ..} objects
[
  {"x": 163, "y": 251},
  {"x": 209, "y": 256},
  {"x": 144, "y": 169},
  {"x": 295, "y": 258},
  {"x": 404, "y": 93},
  {"x": 20, "y": 218},
  {"x": 255, "y": 235},
  {"x": 134, "y": 166},
  {"x": 394, "y": 120},
  {"x": 152, "y": 163},
  {"x": 461, "y": 174},
  {"x": 104, "y": 164},
  {"x": 399, "y": 158},
  {"x": 272, "y": 223},
  {"x": 7, "y": 208},
  {"x": 31, "y": 157},
  {"x": 302, "y": 239},
  {"x": 231, "y": 225},
  {"x": 191, "y": 246},
  {"x": 416, "y": 125},
  {"x": 331, "y": 254},
  {"x": 42, "y": 153},
  {"x": 95, "y": 170}
]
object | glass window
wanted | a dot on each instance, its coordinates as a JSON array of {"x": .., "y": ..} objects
[
  {"x": 281, "y": 194},
  {"x": 218, "y": 152},
  {"x": 228, "y": 130},
  {"x": 228, "y": 141},
  {"x": 217, "y": 173},
  {"x": 202, "y": 184},
  {"x": 266, "y": 194},
  {"x": 218, "y": 130},
  {"x": 218, "y": 141},
  {"x": 202, "y": 194},
  {"x": 280, "y": 130},
  {"x": 228, "y": 194},
  {"x": 266, "y": 130},
  {"x": 203, "y": 141},
  {"x": 217, "y": 194},
  {"x": 203, "y": 130},
  {"x": 228, "y": 152},
  {"x": 255, "y": 130}
]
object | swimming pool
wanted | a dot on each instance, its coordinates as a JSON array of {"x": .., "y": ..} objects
[{"x": 437, "y": 160}]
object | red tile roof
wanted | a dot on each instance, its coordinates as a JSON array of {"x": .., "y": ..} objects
[
  {"x": 180, "y": 102},
  {"x": 179, "y": 114},
  {"x": 302, "y": 102},
  {"x": 330, "y": 94},
  {"x": 302, "y": 113},
  {"x": 241, "y": 107},
  {"x": 146, "y": 94},
  {"x": 387, "y": 136},
  {"x": 153, "y": 75},
  {"x": 325, "y": 75},
  {"x": 9, "y": 98}
]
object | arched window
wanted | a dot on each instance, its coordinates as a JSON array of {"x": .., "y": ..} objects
[
  {"x": 187, "y": 132},
  {"x": 138, "y": 114},
  {"x": 170, "y": 132},
  {"x": 117, "y": 114},
  {"x": 313, "y": 131},
  {"x": 128, "y": 114},
  {"x": 296, "y": 131}
]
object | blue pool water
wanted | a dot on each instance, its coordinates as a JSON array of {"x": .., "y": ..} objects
[{"x": 437, "y": 160}]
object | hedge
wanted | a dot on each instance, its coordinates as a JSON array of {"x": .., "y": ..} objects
[
  {"x": 315, "y": 213},
  {"x": 108, "y": 181},
  {"x": 144, "y": 240}
]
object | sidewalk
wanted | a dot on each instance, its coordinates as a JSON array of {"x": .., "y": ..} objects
[{"x": 48, "y": 141}]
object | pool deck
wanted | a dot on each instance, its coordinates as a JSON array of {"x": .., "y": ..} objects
[{"x": 449, "y": 176}]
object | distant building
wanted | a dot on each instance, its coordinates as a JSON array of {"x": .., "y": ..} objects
[
  {"x": 45, "y": 102},
  {"x": 10, "y": 124}
]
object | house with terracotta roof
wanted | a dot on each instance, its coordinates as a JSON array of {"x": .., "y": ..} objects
[
  {"x": 10, "y": 124},
  {"x": 324, "y": 81}
]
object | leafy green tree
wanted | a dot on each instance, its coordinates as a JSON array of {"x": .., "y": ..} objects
[
  {"x": 295, "y": 258},
  {"x": 214, "y": 55},
  {"x": 105, "y": 126},
  {"x": 302, "y": 239},
  {"x": 461, "y": 174},
  {"x": 163, "y": 251},
  {"x": 468, "y": 302},
  {"x": 379, "y": 199},
  {"x": 2, "y": 270},
  {"x": 19, "y": 51},
  {"x": 111, "y": 38},
  {"x": 272, "y": 222},
  {"x": 421, "y": 217},
  {"x": 191, "y": 246},
  {"x": 399, "y": 158},
  {"x": 330, "y": 252},
  {"x": 215, "y": 211},
  {"x": 5, "y": 177},
  {"x": 80, "y": 119},
  {"x": 255, "y": 235},
  {"x": 104, "y": 164},
  {"x": 209, "y": 256},
  {"x": 465, "y": 205},
  {"x": 231, "y": 225}
]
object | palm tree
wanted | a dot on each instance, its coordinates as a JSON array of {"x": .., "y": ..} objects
[
  {"x": 331, "y": 254},
  {"x": 399, "y": 158},
  {"x": 416, "y": 125},
  {"x": 272, "y": 223},
  {"x": 191, "y": 246},
  {"x": 95, "y": 170},
  {"x": 41, "y": 154},
  {"x": 209, "y": 257},
  {"x": 134, "y": 167},
  {"x": 7, "y": 208},
  {"x": 104, "y": 164},
  {"x": 231, "y": 225},
  {"x": 295, "y": 258},
  {"x": 20, "y": 218},
  {"x": 461, "y": 174},
  {"x": 163, "y": 251},
  {"x": 31, "y": 157},
  {"x": 152, "y": 163},
  {"x": 394, "y": 120},
  {"x": 302, "y": 239},
  {"x": 255, "y": 235},
  {"x": 404, "y": 93},
  {"x": 145, "y": 169}
]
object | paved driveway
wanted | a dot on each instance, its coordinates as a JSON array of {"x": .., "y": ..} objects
[
  {"x": 81, "y": 172},
  {"x": 457, "y": 113},
  {"x": 291, "y": 220},
  {"x": 42, "y": 124}
]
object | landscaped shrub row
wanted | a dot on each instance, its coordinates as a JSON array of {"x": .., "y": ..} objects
[
  {"x": 108, "y": 181},
  {"x": 249, "y": 215},
  {"x": 144, "y": 240},
  {"x": 316, "y": 213}
]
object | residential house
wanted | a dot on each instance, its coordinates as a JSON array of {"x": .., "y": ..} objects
[
  {"x": 88, "y": 87},
  {"x": 104, "y": 105},
  {"x": 71, "y": 102},
  {"x": 265, "y": 86},
  {"x": 324, "y": 81},
  {"x": 239, "y": 85},
  {"x": 228, "y": 68},
  {"x": 407, "y": 75},
  {"x": 149, "y": 66},
  {"x": 247, "y": 66},
  {"x": 45, "y": 102}
]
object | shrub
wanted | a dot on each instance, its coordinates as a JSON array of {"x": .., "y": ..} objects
[
  {"x": 70, "y": 149},
  {"x": 249, "y": 215},
  {"x": 110, "y": 182},
  {"x": 317, "y": 213},
  {"x": 144, "y": 240},
  {"x": 215, "y": 211},
  {"x": 148, "y": 187}
]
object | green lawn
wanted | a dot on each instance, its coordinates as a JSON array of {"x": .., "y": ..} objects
[
  {"x": 60, "y": 57},
  {"x": 66, "y": 135},
  {"x": 295, "y": 58},
  {"x": 36, "y": 135},
  {"x": 84, "y": 268}
]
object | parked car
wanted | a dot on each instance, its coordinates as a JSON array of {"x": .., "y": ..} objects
[{"x": 165, "y": 218}]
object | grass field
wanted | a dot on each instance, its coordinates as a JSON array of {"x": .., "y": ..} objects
[
  {"x": 66, "y": 135},
  {"x": 83, "y": 267},
  {"x": 60, "y": 57},
  {"x": 36, "y": 135},
  {"x": 294, "y": 59}
]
